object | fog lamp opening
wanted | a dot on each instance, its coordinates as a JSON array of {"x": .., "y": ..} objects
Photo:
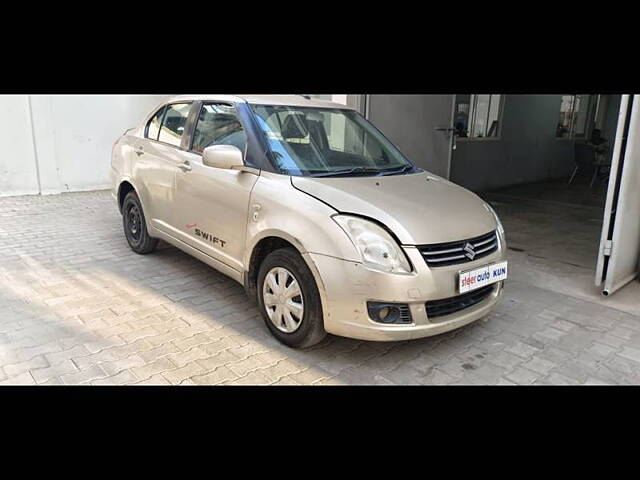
[{"x": 389, "y": 313}]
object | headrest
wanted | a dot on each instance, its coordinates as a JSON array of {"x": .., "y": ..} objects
[{"x": 294, "y": 126}]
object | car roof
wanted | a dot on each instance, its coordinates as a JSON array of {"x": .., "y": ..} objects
[{"x": 288, "y": 100}]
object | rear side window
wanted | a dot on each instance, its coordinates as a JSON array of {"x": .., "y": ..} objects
[
  {"x": 218, "y": 124},
  {"x": 174, "y": 123},
  {"x": 153, "y": 127}
]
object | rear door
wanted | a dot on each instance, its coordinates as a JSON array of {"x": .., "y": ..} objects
[
  {"x": 421, "y": 126},
  {"x": 619, "y": 255},
  {"x": 157, "y": 160}
]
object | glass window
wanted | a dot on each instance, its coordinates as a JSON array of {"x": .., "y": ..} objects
[
  {"x": 477, "y": 116},
  {"x": 574, "y": 113},
  {"x": 218, "y": 124},
  {"x": 327, "y": 142},
  {"x": 174, "y": 123},
  {"x": 153, "y": 127}
]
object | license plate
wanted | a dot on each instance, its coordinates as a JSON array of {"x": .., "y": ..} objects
[{"x": 481, "y": 277}]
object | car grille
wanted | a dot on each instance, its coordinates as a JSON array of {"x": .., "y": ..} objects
[
  {"x": 405, "y": 314},
  {"x": 447, "y": 306},
  {"x": 463, "y": 251}
]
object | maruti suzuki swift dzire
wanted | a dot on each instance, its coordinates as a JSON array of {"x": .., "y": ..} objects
[{"x": 321, "y": 218}]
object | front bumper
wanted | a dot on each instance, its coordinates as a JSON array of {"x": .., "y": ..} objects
[{"x": 346, "y": 287}]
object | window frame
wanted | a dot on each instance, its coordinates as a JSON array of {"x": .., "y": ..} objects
[
  {"x": 186, "y": 124},
  {"x": 162, "y": 109},
  {"x": 196, "y": 118},
  {"x": 469, "y": 125},
  {"x": 589, "y": 120},
  {"x": 187, "y": 128}
]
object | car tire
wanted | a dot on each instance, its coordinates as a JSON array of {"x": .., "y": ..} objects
[
  {"x": 278, "y": 271},
  {"x": 135, "y": 226}
]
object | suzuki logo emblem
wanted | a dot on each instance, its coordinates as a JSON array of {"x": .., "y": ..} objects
[{"x": 470, "y": 253}]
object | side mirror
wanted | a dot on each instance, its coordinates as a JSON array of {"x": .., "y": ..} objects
[{"x": 227, "y": 157}]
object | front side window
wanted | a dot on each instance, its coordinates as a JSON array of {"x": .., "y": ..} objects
[
  {"x": 308, "y": 141},
  {"x": 572, "y": 121},
  {"x": 174, "y": 123},
  {"x": 478, "y": 116},
  {"x": 218, "y": 124},
  {"x": 153, "y": 127}
]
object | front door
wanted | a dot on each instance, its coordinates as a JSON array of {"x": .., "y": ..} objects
[
  {"x": 212, "y": 204},
  {"x": 619, "y": 255},
  {"x": 421, "y": 126}
]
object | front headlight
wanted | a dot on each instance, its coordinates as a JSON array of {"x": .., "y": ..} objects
[
  {"x": 379, "y": 251},
  {"x": 495, "y": 215}
]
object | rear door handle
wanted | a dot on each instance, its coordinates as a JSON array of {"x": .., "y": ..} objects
[
  {"x": 139, "y": 151},
  {"x": 185, "y": 166}
]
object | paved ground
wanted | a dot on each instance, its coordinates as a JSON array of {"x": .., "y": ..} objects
[{"x": 78, "y": 307}]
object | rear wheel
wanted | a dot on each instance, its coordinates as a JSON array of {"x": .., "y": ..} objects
[
  {"x": 135, "y": 226},
  {"x": 289, "y": 299}
]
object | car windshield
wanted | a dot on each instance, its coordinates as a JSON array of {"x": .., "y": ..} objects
[{"x": 324, "y": 142}]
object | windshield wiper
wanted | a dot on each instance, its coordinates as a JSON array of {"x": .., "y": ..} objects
[
  {"x": 348, "y": 171},
  {"x": 396, "y": 171}
]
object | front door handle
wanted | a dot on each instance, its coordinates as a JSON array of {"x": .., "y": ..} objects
[{"x": 185, "y": 166}]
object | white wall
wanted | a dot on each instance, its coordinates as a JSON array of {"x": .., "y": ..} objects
[
  {"x": 18, "y": 175},
  {"x": 333, "y": 98},
  {"x": 59, "y": 143},
  {"x": 339, "y": 99}
]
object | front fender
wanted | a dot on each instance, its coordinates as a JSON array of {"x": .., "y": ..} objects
[{"x": 285, "y": 212}]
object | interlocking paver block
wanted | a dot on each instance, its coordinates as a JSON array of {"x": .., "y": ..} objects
[
  {"x": 249, "y": 364},
  {"x": 522, "y": 376},
  {"x": 141, "y": 333},
  {"x": 539, "y": 365},
  {"x": 523, "y": 350},
  {"x": 557, "y": 379},
  {"x": 631, "y": 354},
  {"x": 183, "y": 373},
  {"x": 280, "y": 370},
  {"x": 158, "y": 340},
  {"x": 116, "y": 366},
  {"x": 92, "y": 373},
  {"x": 253, "y": 378},
  {"x": 125, "y": 377},
  {"x": 159, "y": 352},
  {"x": 77, "y": 351},
  {"x": 309, "y": 376},
  {"x": 182, "y": 358},
  {"x": 30, "y": 352},
  {"x": 220, "y": 359},
  {"x": 41, "y": 375},
  {"x": 78, "y": 299},
  {"x": 159, "y": 366},
  {"x": 154, "y": 380},
  {"x": 219, "y": 345},
  {"x": 16, "y": 369},
  {"x": 506, "y": 360},
  {"x": 104, "y": 343},
  {"x": 217, "y": 376},
  {"x": 193, "y": 341},
  {"x": 22, "y": 379}
]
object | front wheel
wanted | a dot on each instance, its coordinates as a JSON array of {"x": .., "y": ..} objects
[
  {"x": 289, "y": 299},
  {"x": 135, "y": 226}
]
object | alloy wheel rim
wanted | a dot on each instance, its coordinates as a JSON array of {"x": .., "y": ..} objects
[{"x": 283, "y": 300}]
